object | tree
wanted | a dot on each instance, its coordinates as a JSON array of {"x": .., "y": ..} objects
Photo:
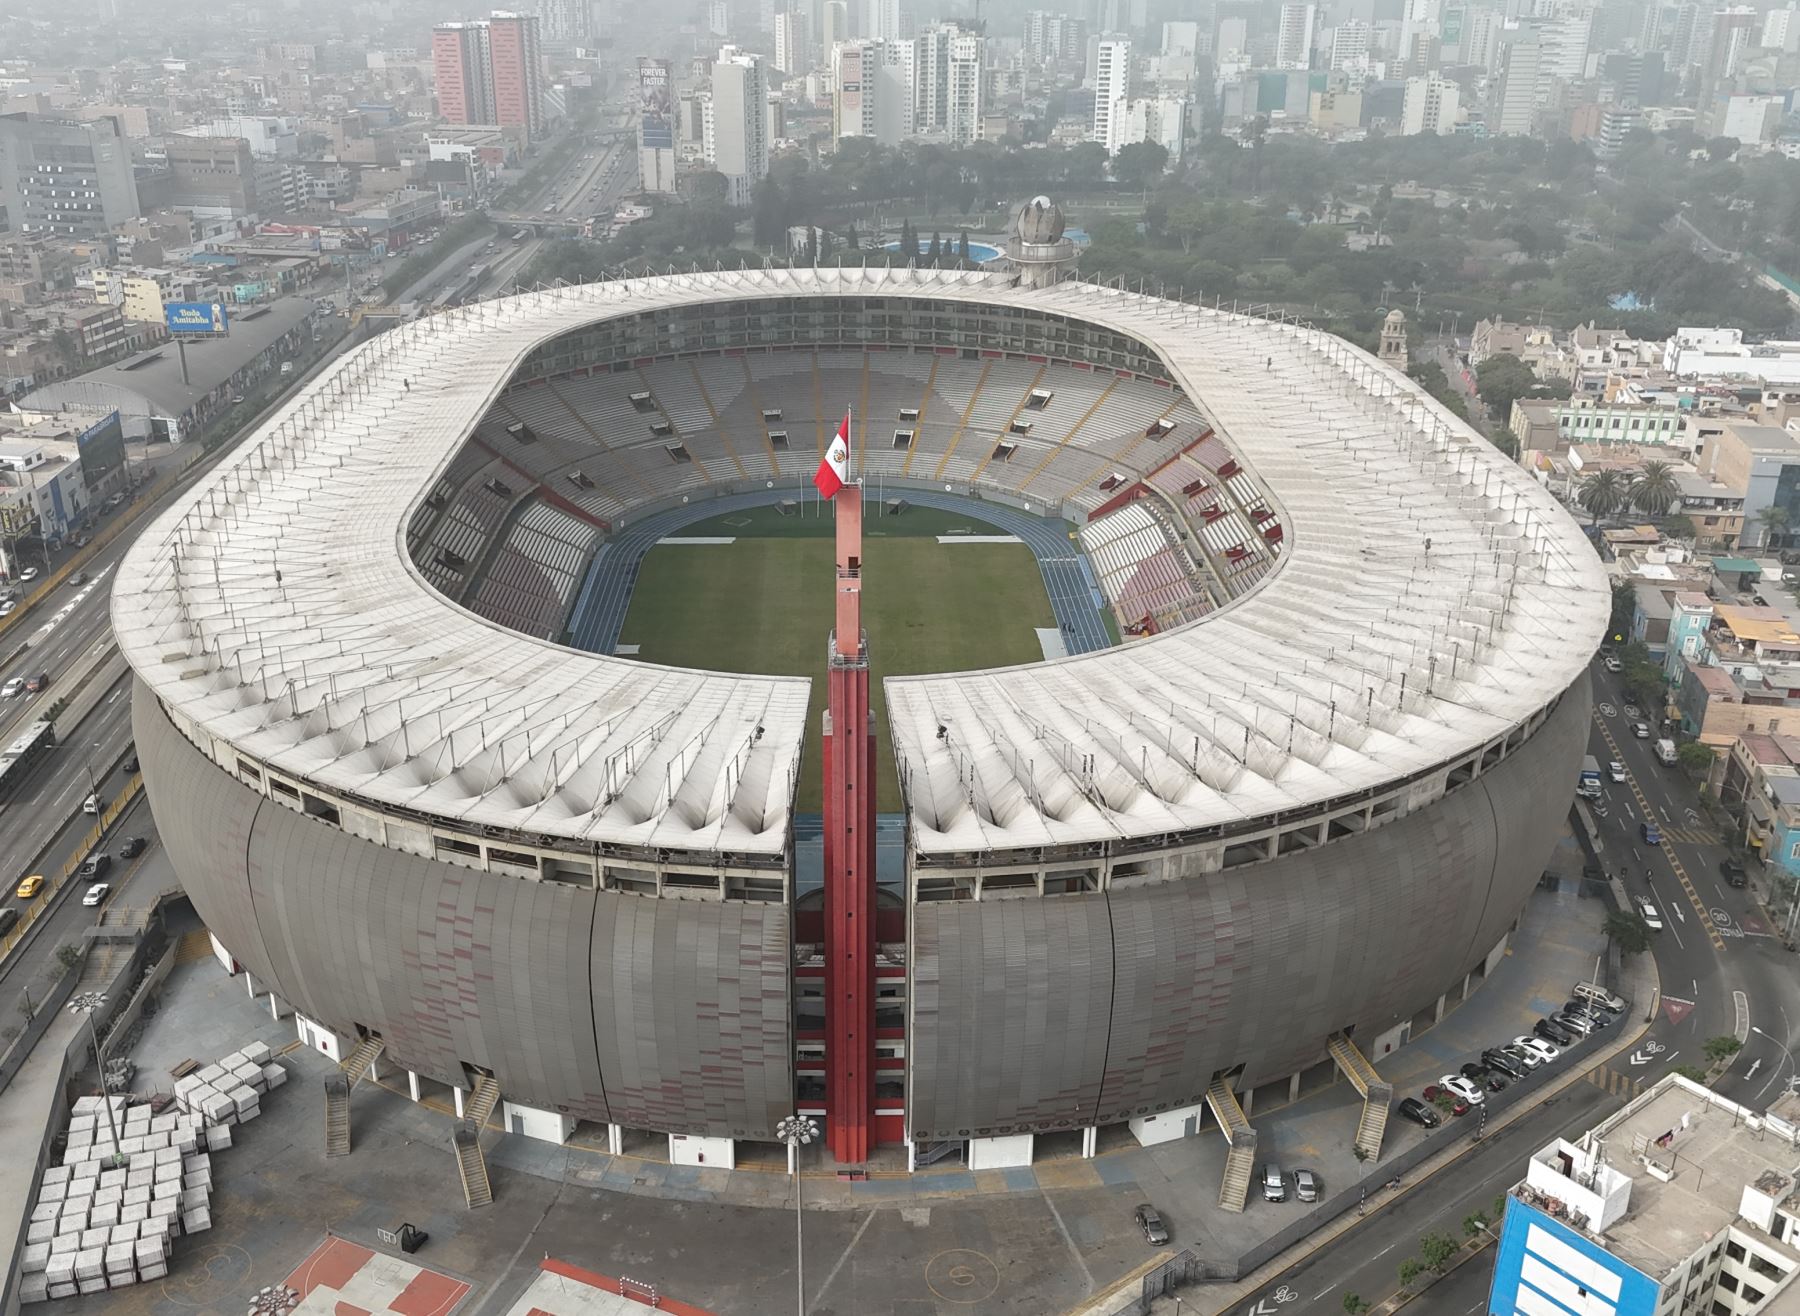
[
  {"x": 962, "y": 245},
  {"x": 937, "y": 248},
  {"x": 1775, "y": 521},
  {"x": 1654, "y": 490},
  {"x": 1409, "y": 1270},
  {"x": 1626, "y": 929},
  {"x": 1504, "y": 439},
  {"x": 1721, "y": 149},
  {"x": 1474, "y": 1223},
  {"x": 1602, "y": 494},
  {"x": 1354, "y": 1304},
  {"x": 851, "y": 242},
  {"x": 1503, "y": 379},
  {"x": 1722, "y": 1047},
  {"x": 824, "y": 252},
  {"x": 1693, "y": 1073},
  {"x": 63, "y": 343},
  {"x": 707, "y": 188},
  {"x": 1437, "y": 1251},
  {"x": 1695, "y": 759},
  {"x": 1140, "y": 164}
]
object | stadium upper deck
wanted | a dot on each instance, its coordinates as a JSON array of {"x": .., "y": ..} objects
[{"x": 1430, "y": 601}]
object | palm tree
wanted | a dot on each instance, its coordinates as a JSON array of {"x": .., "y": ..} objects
[
  {"x": 1603, "y": 494},
  {"x": 1654, "y": 490},
  {"x": 1776, "y": 521}
]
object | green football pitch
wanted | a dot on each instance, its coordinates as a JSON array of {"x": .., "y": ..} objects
[{"x": 764, "y": 604}]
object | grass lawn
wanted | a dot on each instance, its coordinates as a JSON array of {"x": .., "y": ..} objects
[{"x": 765, "y": 605}]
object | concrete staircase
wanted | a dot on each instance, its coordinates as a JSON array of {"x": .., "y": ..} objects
[
  {"x": 1377, "y": 1094},
  {"x": 1240, "y": 1160},
  {"x": 471, "y": 1165},
  {"x": 482, "y": 1099},
  {"x": 337, "y": 1093},
  {"x": 337, "y": 1115}
]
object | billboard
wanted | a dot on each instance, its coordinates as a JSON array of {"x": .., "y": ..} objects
[
  {"x": 656, "y": 129},
  {"x": 101, "y": 449},
  {"x": 1541, "y": 1262},
  {"x": 196, "y": 317}
]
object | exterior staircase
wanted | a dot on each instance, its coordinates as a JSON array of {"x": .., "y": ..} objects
[
  {"x": 471, "y": 1165},
  {"x": 1240, "y": 1161},
  {"x": 482, "y": 1099},
  {"x": 337, "y": 1115},
  {"x": 1377, "y": 1094},
  {"x": 337, "y": 1093}
]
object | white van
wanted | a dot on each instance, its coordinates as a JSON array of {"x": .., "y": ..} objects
[{"x": 1589, "y": 992}]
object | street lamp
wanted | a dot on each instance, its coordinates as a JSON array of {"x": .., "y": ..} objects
[
  {"x": 87, "y": 1003},
  {"x": 796, "y": 1131}
]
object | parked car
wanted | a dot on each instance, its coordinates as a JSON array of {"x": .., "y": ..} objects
[
  {"x": 1495, "y": 1058},
  {"x": 1594, "y": 994},
  {"x": 1419, "y": 1113},
  {"x": 1651, "y": 833},
  {"x": 1458, "y": 1086},
  {"x": 1616, "y": 770},
  {"x": 1150, "y": 1222},
  {"x": 94, "y": 865},
  {"x": 133, "y": 847},
  {"x": 1732, "y": 871},
  {"x": 1306, "y": 1185},
  {"x": 13, "y": 688},
  {"x": 30, "y": 886},
  {"x": 1592, "y": 1013},
  {"x": 1648, "y": 912},
  {"x": 1572, "y": 1023},
  {"x": 1523, "y": 1055},
  {"x": 1274, "y": 1185},
  {"x": 1554, "y": 1033},
  {"x": 1540, "y": 1047},
  {"x": 95, "y": 894},
  {"x": 1475, "y": 1073}
]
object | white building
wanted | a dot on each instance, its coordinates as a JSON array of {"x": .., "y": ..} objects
[
  {"x": 834, "y": 24},
  {"x": 1513, "y": 94},
  {"x": 1720, "y": 354},
  {"x": 793, "y": 41},
  {"x": 718, "y": 17},
  {"x": 1430, "y": 106},
  {"x": 737, "y": 143},
  {"x": 565, "y": 22},
  {"x": 271, "y": 137},
  {"x": 948, "y": 83},
  {"x": 1294, "y": 37},
  {"x": 1565, "y": 38},
  {"x": 881, "y": 20},
  {"x": 1159, "y": 119},
  {"x": 1112, "y": 83},
  {"x": 1781, "y": 30},
  {"x": 1350, "y": 46},
  {"x": 1479, "y": 43},
  {"x": 1753, "y": 120}
]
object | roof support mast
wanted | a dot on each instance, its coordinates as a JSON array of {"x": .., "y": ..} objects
[{"x": 849, "y": 766}]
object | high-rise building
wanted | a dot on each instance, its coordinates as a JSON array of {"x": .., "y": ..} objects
[
  {"x": 63, "y": 178},
  {"x": 948, "y": 82},
  {"x": 718, "y": 17},
  {"x": 516, "y": 62},
  {"x": 1294, "y": 36},
  {"x": 1430, "y": 106},
  {"x": 1513, "y": 94},
  {"x": 1730, "y": 35},
  {"x": 793, "y": 41},
  {"x": 459, "y": 67},
  {"x": 1680, "y": 1202},
  {"x": 737, "y": 142},
  {"x": 1480, "y": 39},
  {"x": 1566, "y": 37},
  {"x": 565, "y": 22},
  {"x": 881, "y": 21},
  {"x": 1158, "y": 119},
  {"x": 1112, "y": 83},
  {"x": 491, "y": 71},
  {"x": 1055, "y": 38},
  {"x": 212, "y": 173},
  {"x": 1781, "y": 30},
  {"x": 834, "y": 25},
  {"x": 1350, "y": 46}
]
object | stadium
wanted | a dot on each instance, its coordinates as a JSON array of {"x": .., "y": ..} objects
[{"x": 1278, "y": 682}]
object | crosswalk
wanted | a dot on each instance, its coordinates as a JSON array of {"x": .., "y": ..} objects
[{"x": 1689, "y": 835}]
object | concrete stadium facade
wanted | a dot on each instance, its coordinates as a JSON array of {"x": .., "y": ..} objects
[{"x": 1106, "y": 960}]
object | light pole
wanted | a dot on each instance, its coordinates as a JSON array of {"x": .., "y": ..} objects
[
  {"x": 87, "y": 1003},
  {"x": 796, "y": 1131}
]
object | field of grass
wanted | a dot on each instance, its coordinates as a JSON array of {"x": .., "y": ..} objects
[{"x": 764, "y": 605}]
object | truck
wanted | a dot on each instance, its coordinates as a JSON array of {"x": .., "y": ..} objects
[
  {"x": 1665, "y": 752},
  {"x": 1588, "y": 786}
]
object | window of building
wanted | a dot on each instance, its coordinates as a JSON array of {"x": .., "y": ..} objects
[{"x": 1736, "y": 1250}]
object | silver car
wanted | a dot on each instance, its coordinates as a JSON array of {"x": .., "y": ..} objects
[{"x": 1274, "y": 1185}]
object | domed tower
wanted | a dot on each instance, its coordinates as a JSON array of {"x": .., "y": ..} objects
[
  {"x": 1036, "y": 245},
  {"x": 1393, "y": 339}
]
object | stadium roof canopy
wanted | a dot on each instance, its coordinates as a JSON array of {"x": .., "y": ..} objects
[{"x": 1430, "y": 597}]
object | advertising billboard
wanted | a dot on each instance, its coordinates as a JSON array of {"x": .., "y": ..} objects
[
  {"x": 656, "y": 130},
  {"x": 101, "y": 449},
  {"x": 1542, "y": 1265},
  {"x": 196, "y": 317}
]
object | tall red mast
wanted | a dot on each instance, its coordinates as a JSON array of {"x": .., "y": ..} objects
[{"x": 849, "y": 765}]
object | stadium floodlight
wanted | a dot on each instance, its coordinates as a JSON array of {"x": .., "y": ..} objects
[
  {"x": 89, "y": 1003},
  {"x": 797, "y": 1131}
]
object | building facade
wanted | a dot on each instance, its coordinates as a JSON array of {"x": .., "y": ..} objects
[{"x": 63, "y": 178}]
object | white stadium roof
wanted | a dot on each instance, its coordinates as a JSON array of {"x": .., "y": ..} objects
[{"x": 1429, "y": 597}]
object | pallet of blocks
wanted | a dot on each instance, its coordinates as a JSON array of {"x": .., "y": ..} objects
[{"x": 131, "y": 1181}]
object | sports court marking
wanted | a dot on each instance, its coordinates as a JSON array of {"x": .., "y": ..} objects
[
  {"x": 972, "y": 539},
  {"x": 341, "y": 1278},
  {"x": 699, "y": 539}
]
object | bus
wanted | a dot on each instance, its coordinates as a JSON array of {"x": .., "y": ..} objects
[
  {"x": 20, "y": 760},
  {"x": 519, "y": 234}
]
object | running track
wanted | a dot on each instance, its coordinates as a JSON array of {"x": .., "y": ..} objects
[{"x": 599, "y": 612}]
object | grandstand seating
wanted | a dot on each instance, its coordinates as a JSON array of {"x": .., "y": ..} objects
[{"x": 1174, "y": 527}]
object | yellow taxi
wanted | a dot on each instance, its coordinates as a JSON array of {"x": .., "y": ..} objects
[{"x": 30, "y": 887}]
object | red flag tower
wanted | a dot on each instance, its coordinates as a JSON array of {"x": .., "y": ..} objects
[{"x": 849, "y": 765}]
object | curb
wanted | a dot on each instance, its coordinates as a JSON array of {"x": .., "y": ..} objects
[{"x": 1329, "y": 1233}]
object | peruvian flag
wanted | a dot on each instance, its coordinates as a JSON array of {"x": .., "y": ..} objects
[{"x": 834, "y": 471}]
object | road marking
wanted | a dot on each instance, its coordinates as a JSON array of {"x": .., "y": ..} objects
[{"x": 1740, "y": 1003}]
